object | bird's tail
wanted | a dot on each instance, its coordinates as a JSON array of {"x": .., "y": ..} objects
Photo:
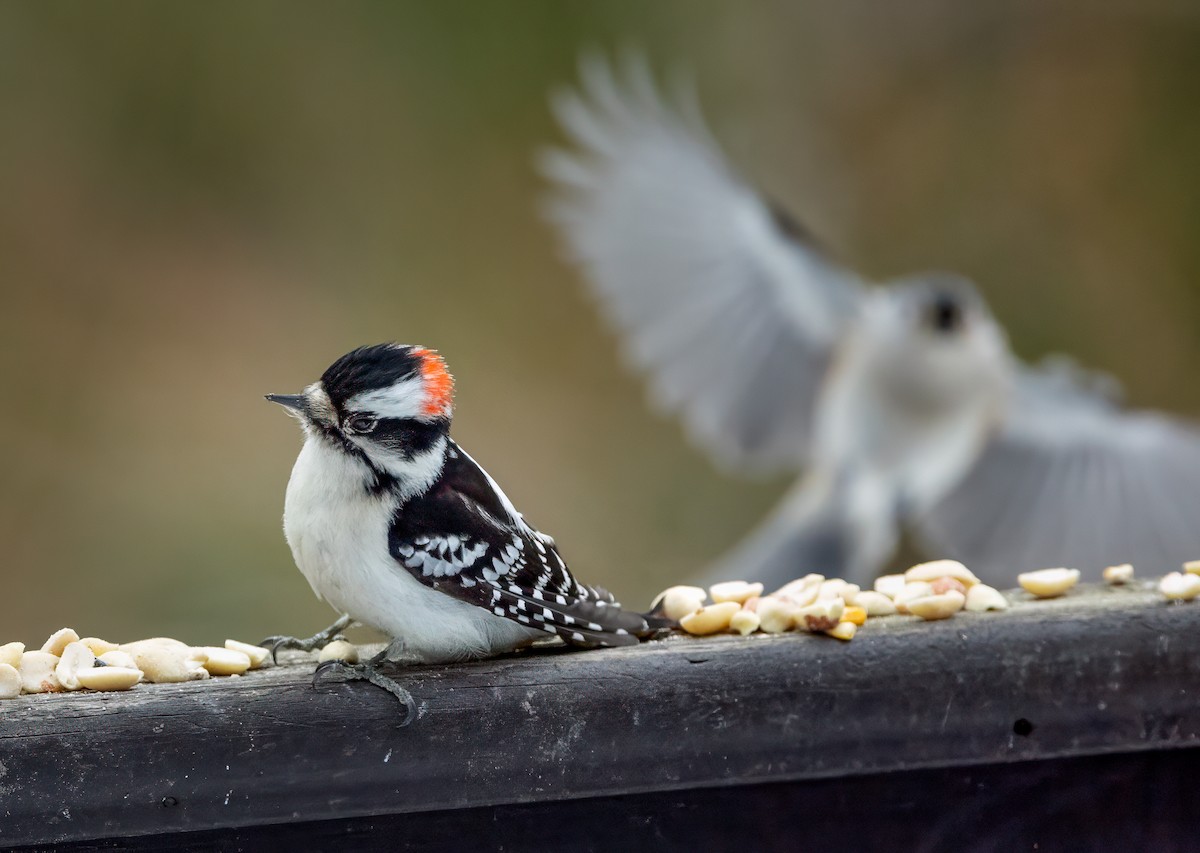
[
  {"x": 611, "y": 625},
  {"x": 839, "y": 525},
  {"x": 655, "y": 623}
]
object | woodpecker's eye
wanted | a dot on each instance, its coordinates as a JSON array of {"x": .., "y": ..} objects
[{"x": 359, "y": 424}]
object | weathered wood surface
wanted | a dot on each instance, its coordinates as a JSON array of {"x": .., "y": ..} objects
[
  {"x": 1099, "y": 672},
  {"x": 1120, "y": 802}
]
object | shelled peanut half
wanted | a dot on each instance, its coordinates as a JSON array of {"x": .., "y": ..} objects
[
  {"x": 66, "y": 662},
  {"x": 831, "y": 606}
]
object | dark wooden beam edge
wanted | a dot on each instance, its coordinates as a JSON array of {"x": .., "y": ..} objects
[
  {"x": 1132, "y": 801},
  {"x": 1101, "y": 671}
]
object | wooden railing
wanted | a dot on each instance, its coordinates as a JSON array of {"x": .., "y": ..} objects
[{"x": 911, "y": 732}]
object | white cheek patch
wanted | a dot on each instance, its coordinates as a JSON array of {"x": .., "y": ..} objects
[
  {"x": 405, "y": 399},
  {"x": 415, "y": 475}
]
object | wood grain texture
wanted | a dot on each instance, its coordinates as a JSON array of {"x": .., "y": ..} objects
[{"x": 1100, "y": 671}]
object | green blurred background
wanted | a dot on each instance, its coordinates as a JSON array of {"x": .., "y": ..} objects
[{"x": 202, "y": 203}]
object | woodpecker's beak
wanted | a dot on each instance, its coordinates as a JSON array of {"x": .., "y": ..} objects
[{"x": 295, "y": 402}]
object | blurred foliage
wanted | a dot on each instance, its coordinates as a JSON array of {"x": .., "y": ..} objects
[{"x": 201, "y": 203}]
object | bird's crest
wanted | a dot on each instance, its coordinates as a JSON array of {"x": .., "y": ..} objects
[{"x": 437, "y": 381}]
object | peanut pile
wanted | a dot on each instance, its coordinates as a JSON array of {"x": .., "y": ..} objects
[
  {"x": 813, "y": 603},
  {"x": 832, "y": 606},
  {"x": 65, "y": 663}
]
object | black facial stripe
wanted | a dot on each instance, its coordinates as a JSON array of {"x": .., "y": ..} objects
[
  {"x": 379, "y": 481},
  {"x": 367, "y": 369},
  {"x": 408, "y": 437}
]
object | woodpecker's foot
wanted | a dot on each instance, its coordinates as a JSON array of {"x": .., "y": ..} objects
[
  {"x": 369, "y": 671},
  {"x": 313, "y": 643}
]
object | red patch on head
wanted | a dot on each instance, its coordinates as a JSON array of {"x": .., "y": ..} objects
[{"x": 439, "y": 384}]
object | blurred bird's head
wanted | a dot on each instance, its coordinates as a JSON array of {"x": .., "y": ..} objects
[
  {"x": 933, "y": 340},
  {"x": 388, "y": 406}
]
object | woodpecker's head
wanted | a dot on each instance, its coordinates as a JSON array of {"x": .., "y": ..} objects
[{"x": 388, "y": 406}]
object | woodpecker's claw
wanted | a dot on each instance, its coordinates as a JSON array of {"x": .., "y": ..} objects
[
  {"x": 369, "y": 671},
  {"x": 313, "y": 643}
]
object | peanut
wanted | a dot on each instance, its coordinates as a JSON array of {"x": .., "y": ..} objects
[
  {"x": 939, "y": 606},
  {"x": 109, "y": 677},
  {"x": 37, "y": 673},
  {"x": 874, "y": 603},
  {"x": 982, "y": 597},
  {"x": 99, "y": 646},
  {"x": 75, "y": 657},
  {"x": 890, "y": 585},
  {"x": 1118, "y": 574},
  {"x": 678, "y": 601},
  {"x": 837, "y": 588},
  {"x": 843, "y": 631},
  {"x": 257, "y": 654},
  {"x": 916, "y": 589},
  {"x": 163, "y": 660},
  {"x": 801, "y": 592},
  {"x": 931, "y": 571},
  {"x": 821, "y": 615},
  {"x": 58, "y": 641},
  {"x": 10, "y": 681},
  {"x": 737, "y": 591},
  {"x": 339, "y": 650},
  {"x": 118, "y": 658},
  {"x": 946, "y": 583},
  {"x": 1180, "y": 586},
  {"x": 222, "y": 661},
  {"x": 1048, "y": 583},
  {"x": 710, "y": 619},
  {"x": 10, "y": 654},
  {"x": 745, "y": 622},
  {"x": 776, "y": 615}
]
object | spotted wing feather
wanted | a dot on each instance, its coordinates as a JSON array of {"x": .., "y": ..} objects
[{"x": 464, "y": 539}]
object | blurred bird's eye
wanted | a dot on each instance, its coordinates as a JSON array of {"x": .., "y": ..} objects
[
  {"x": 359, "y": 423},
  {"x": 945, "y": 314}
]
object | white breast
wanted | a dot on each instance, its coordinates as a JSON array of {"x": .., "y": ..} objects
[
  {"x": 916, "y": 450},
  {"x": 338, "y": 533}
]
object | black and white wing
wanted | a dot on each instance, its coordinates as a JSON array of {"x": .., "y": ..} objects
[
  {"x": 1072, "y": 479},
  {"x": 722, "y": 301},
  {"x": 465, "y": 539}
]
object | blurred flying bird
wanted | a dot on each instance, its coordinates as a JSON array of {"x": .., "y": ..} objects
[{"x": 900, "y": 402}]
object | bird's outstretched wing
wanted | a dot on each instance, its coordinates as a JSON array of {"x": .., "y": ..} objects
[
  {"x": 1072, "y": 479},
  {"x": 465, "y": 539},
  {"x": 722, "y": 300}
]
